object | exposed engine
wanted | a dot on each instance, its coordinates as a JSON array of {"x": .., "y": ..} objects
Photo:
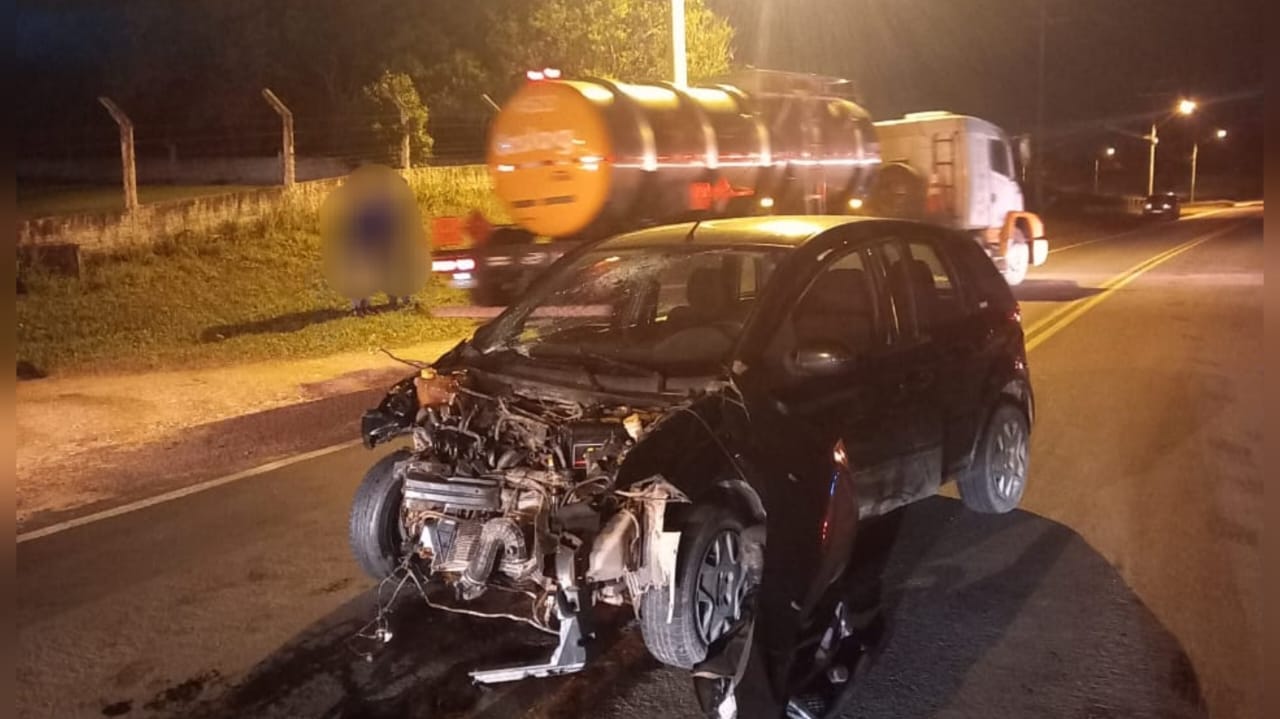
[{"x": 515, "y": 493}]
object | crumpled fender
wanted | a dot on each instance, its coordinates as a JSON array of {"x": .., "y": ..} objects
[{"x": 698, "y": 447}]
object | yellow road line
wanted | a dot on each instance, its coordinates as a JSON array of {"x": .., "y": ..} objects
[
  {"x": 1104, "y": 238},
  {"x": 1047, "y": 327},
  {"x": 1060, "y": 311}
]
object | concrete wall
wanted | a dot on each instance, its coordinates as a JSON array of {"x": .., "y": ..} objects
[{"x": 152, "y": 221}]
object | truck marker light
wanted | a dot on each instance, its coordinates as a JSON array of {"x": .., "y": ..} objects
[
  {"x": 855, "y": 203},
  {"x": 766, "y": 202}
]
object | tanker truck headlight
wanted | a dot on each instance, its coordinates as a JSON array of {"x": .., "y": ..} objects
[
  {"x": 855, "y": 203},
  {"x": 766, "y": 202}
]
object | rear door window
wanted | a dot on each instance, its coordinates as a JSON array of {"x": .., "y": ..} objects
[
  {"x": 987, "y": 287},
  {"x": 922, "y": 283}
]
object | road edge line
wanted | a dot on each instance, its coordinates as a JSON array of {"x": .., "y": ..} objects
[
  {"x": 1055, "y": 323},
  {"x": 182, "y": 492}
]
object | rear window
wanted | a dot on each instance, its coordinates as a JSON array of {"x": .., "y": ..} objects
[{"x": 986, "y": 284}]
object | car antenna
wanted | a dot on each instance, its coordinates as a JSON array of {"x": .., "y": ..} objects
[{"x": 689, "y": 237}]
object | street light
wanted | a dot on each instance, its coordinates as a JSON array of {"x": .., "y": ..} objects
[
  {"x": 1185, "y": 107},
  {"x": 1220, "y": 134},
  {"x": 1109, "y": 153},
  {"x": 678, "y": 57}
]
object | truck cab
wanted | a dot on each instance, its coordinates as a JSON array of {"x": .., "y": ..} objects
[{"x": 958, "y": 171}]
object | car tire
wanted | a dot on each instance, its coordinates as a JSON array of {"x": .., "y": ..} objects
[
  {"x": 995, "y": 481},
  {"x": 709, "y": 536},
  {"x": 374, "y": 531},
  {"x": 1017, "y": 259}
]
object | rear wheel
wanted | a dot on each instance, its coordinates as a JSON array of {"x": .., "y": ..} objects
[
  {"x": 994, "y": 483},
  {"x": 1017, "y": 258},
  {"x": 374, "y": 529},
  {"x": 710, "y": 587}
]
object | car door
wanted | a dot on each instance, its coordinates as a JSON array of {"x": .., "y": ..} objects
[
  {"x": 919, "y": 374},
  {"x": 992, "y": 334},
  {"x": 946, "y": 343}
]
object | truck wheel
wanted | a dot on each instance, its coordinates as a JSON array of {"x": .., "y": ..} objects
[
  {"x": 710, "y": 586},
  {"x": 994, "y": 483},
  {"x": 898, "y": 192},
  {"x": 1017, "y": 258},
  {"x": 374, "y": 530}
]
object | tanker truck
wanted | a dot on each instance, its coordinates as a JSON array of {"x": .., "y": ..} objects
[{"x": 573, "y": 160}]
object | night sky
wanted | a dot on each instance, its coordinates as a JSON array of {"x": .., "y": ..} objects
[{"x": 1111, "y": 64}]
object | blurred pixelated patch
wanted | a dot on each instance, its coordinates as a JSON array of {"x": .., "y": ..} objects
[{"x": 372, "y": 235}]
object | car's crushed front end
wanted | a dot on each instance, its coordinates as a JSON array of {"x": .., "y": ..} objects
[{"x": 513, "y": 492}]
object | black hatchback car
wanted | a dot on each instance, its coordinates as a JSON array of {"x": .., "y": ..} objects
[
  {"x": 692, "y": 419},
  {"x": 1164, "y": 205}
]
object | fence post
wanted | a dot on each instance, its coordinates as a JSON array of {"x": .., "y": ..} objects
[
  {"x": 286, "y": 141},
  {"x": 127, "y": 158}
]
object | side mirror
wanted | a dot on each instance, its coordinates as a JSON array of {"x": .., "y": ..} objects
[{"x": 822, "y": 360}]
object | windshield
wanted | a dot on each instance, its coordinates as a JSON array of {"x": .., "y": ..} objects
[{"x": 666, "y": 309}]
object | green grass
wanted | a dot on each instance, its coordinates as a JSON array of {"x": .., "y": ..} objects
[
  {"x": 443, "y": 191},
  {"x": 54, "y": 200},
  {"x": 252, "y": 290}
]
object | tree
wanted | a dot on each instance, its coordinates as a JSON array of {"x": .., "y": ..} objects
[
  {"x": 400, "y": 111},
  {"x": 624, "y": 39}
]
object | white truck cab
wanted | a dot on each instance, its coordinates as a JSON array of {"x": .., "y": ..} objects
[{"x": 958, "y": 171}]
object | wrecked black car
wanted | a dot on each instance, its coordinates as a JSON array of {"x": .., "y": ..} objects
[{"x": 691, "y": 420}]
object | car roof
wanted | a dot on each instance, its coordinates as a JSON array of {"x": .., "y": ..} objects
[{"x": 775, "y": 230}]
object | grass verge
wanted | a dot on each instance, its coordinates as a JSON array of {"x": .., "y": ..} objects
[{"x": 244, "y": 291}]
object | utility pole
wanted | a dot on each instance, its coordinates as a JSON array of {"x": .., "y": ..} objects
[
  {"x": 1154, "y": 139},
  {"x": 679, "y": 59},
  {"x": 128, "y": 159},
  {"x": 1039, "y": 146},
  {"x": 286, "y": 139},
  {"x": 1195, "y": 154}
]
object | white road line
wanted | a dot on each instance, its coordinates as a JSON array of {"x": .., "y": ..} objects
[{"x": 183, "y": 492}]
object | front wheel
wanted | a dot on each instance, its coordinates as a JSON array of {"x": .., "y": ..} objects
[
  {"x": 374, "y": 529},
  {"x": 710, "y": 586},
  {"x": 1017, "y": 259},
  {"x": 994, "y": 483}
]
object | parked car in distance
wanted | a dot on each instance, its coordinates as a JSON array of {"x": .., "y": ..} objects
[{"x": 1164, "y": 205}]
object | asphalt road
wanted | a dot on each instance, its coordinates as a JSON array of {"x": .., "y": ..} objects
[{"x": 1128, "y": 585}]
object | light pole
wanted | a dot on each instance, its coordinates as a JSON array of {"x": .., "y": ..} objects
[
  {"x": 1097, "y": 159},
  {"x": 1185, "y": 107},
  {"x": 1220, "y": 134},
  {"x": 679, "y": 59}
]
